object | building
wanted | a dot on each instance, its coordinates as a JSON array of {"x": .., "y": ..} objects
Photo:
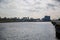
[{"x": 46, "y": 18}]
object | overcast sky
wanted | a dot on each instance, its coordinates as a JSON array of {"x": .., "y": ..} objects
[{"x": 30, "y": 8}]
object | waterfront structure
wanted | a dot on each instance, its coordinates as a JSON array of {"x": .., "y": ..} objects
[{"x": 46, "y": 18}]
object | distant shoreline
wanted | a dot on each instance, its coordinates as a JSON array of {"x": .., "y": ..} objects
[{"x": 27, "y": 21}]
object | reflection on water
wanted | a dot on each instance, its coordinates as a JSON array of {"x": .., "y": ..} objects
[
  {"x": 27, "y": 31},
  {"x": 1, "y": 34}
]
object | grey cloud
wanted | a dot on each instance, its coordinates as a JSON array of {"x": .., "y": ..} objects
[
  {"x": 51, "y": 6},
  {"x": 1, "y": 0},
  {"x": 5, "y": 4},
  {"x": 5, "y": 1},
  {"x": 26, "y": 1},
  {"x": 58, "y": 0},
  {"x": 34, "y": 10}
]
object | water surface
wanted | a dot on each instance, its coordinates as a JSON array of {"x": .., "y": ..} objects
[{"x": 27, "y": 31}]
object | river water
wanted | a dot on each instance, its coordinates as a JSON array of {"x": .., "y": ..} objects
[{"x": 27, "y": 31}]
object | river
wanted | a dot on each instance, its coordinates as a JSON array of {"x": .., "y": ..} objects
[{"x": 27, "y": 31}]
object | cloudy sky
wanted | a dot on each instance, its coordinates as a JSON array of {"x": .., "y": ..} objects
[{"x": 30, "y": 8}]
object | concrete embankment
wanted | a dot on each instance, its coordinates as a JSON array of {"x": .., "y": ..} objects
[{"x": 57, "y": 27}]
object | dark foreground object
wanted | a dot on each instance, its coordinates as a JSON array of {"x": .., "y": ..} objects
[
  {"x": 58, "y": 31},
  {"x": 57, "y": 27}
]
